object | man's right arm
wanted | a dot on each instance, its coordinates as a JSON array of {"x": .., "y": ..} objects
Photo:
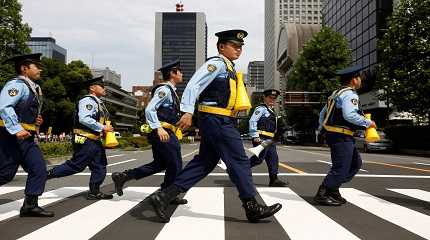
[{"x": 11, "y": 93}]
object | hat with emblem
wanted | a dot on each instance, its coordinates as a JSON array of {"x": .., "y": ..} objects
[
  {"x": 25, "y": 59},
  {"x": 95, "y": 81},
  {"x": 166, "y": 68},
  {"x": 236, "y": 36},
  {"x": 271, "y": 92},
  {"x": 349, "y": 71}
]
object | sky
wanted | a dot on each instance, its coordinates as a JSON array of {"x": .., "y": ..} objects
[{"x": 119, "y": 34}]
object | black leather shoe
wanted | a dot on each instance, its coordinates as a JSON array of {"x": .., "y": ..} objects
[
  {"x": 30, "y": 208},
  {"x": 276, "y": 182},
  {"x": 119, "y": 179},
  {"x": 179, "y": 201},
  {"x": 323, "y": 198},
  {"x": 255, "y": 211},
  {"x": 335, "y": 194},
  {"x": 98, "y": 196},
  {"x": 159, "y": 203},
  {"x": 50, "y": 174}
]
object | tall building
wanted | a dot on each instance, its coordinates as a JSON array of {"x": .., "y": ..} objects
[
  {"x": 121, "y": 104},
  {"x": 256, "y": 75},
  {"x": 48, "y": 47},
  {"x": 181, "y": 35},
  {"x": 362, "y": 22}
]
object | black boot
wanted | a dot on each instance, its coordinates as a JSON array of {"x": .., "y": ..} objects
[
  {"x": 179, "y": 201},
  {"x": 323, "y": 198},
  {"x": 255, "y": 211},
  {"x": 275, "y": 182},
  {"x": 335, "y": 194},
  {"x": 50, "y": 174},
  {"x": 119, "y": 179},
  {"x": 95, "y": 194},
  {"x": 161, "y": 199},
  {"x": 30, "y": 208}
]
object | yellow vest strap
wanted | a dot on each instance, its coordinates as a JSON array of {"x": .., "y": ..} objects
[
  {"x": 26, "y": 126},
  {"x": 86, "y": 134},
  {"x": 338, "y": 130},
  {"x": 267, "y": 134},
  {"x": 217, "y": 111}
]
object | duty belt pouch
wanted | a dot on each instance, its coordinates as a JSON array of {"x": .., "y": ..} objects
[{"x": 79, "y": 139}]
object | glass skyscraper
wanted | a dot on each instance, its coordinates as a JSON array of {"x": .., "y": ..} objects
[{"x": 48, "y": 48}]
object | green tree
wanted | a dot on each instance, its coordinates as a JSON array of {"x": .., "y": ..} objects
[
  {"x": 14, "y": 35},
  {"x": 404, "y": 72}
]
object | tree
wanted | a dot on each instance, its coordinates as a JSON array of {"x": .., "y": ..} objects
[
  {"x": 404, "y": 71},
  {"x": 14, "y": 35}
]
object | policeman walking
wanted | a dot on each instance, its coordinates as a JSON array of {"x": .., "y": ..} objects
[
  {"x": 162, "y": 113},
  {"x": 20, "y": 106},
  {"x": 339, "y": 118},
  {"x": 89, "y": 124},
  {"x": 214, "y": 84},
  {"x": 263, "y": 126}
]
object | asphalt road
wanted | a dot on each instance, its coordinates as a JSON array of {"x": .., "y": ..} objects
[{"x": 388, "y": 199}]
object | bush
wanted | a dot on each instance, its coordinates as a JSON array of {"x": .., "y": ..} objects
[
  {"x": 413, "y": 137},
  {"x": 133, "y": 142},
  {"x": 56, "y": 149}
]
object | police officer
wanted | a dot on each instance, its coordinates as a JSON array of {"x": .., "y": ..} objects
[
  {"x": 162, "y": 113},
  {"x": 263, "y": 126},
  {"x": 215, "y": 82},
  {"x": 339, "y": 118},
  {"x": 89, "y": 124},
  {"x": 20, "y": 105}
]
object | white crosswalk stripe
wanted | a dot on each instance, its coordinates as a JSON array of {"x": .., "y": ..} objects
[
  {"x": 11, "y": 209},
  {"x": 411, "y": 220},
  {"x": 205, "y": 214}
]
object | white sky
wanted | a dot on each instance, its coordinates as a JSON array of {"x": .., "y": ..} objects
[{"x": 119, "y": 34}]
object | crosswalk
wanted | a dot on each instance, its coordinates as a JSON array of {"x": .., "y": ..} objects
[{"x": 206, "y": 217}]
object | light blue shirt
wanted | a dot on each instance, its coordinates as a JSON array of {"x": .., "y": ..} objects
[
  {"x": 10, "y": 95},
  {"x": 162, "y": 97},
  {"x": 348, "y": 101},
  {"x": 253, "y": 121},
  {"x": 200, "y": 80},
  {"x": 88, "y": 108}
]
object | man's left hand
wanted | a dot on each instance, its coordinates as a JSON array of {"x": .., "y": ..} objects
[{"x": 39, "y": 120}]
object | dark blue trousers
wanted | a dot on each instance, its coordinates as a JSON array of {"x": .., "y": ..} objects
[
  {"x": 92, "y": 154},
  {"x": 26, "y": 153},
  {"x": 345, "y": 158},
  {"x": 270, "y": 155},
  {"x": 219, "y": 139},
  {"x": 167, "y": 156}
]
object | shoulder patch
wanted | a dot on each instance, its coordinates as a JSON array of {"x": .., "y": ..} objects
[
  {"x": 13, "y": 92},
  {"x": 161, "y": 94},
  {"x": 211, "y": 67},
  {"x": 89, "y": 106},
  {"x": 257, "y": 112},
  {"x": 354, "y": 101}
]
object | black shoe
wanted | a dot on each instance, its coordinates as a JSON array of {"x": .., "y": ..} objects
[
  {"x": 255, "y": 211},
  {"x": 323, "y": 198},
  {"x": 160, "y": 201},
  {"x": 50, "y": 174},
  {"x": 275, "y": 182},
  {"x": 30, "y": 208},
  {"x": 335, "y": 194},
  {"x": 98, "y": 196},
  {"x": 179, "y": 201},
  {"x": 119, "y": 179}
]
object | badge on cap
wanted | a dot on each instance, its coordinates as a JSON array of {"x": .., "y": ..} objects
[
  {"x": 354, "y": 101},
  {"x": 211, "y": 68},
  {"x": 89, "y": 106},
  {"x": 161, "y": 94},
  {"x": 13, "y": 92},
  {"x": 240, "y": 35}
]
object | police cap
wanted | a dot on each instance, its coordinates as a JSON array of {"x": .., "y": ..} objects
[
  {"x": 236, "y": 36},
  {"x": 166, "y": 68},
  {"x": 271, "y": 92},
  {"x": 349, "y": 71},
  {"x": 25, "y": 59},
  {"x": 95, "y": 81}
]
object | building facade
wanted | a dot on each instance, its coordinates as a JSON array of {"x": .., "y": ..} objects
[
  {"x": 181, "y": 35},
  {"x": 48, "y": 47},
  {"x": 121, "y": 104},
  {"x": 256, "y": 75},
  {"x": 142, "y": 94}
]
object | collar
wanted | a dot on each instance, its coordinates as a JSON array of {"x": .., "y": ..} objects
[
  {"x": 98, "y": 99},
  {"x": 27, "y": 79},
  {"x": 171, "y": 84},
  {"x": 226, "y": 59}
]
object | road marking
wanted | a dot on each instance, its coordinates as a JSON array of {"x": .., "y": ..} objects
[
  {"x": 118, "y": 155},
  {"x": 297, "y": 215},
  {"x": 191, "y": 153},
  {"x": 93, "y": 218},
  {"x": 221, "y": 165},
  {"x": 207, "y": 222},
  {"x": 414, "y": 193},
  {"x": 320, "y": 154},
  {"x": 426, "y": 164},
  {"x": 130, "y": 160},
  {"x": 11, "y": 209},
  {"x": 398, "y": 166},
  {"x": 329, "y": 163},
  {"x": 5, "y": 190},
  {"x": 291, "y": 168},
  {"x": 411, "y": 220}
]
